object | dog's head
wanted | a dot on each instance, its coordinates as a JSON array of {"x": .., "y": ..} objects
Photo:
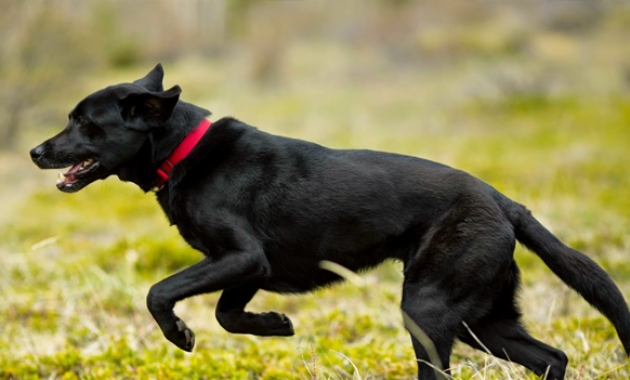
[{"x": 106, "y": 130}]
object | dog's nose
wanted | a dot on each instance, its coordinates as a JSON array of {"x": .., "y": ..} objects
[{"x": 37, "y": 153}]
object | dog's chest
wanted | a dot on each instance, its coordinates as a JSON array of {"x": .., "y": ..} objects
[{"x": 177, "y": 216}]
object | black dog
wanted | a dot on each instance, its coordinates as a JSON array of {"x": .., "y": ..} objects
[{"x": 266, "y": 210}]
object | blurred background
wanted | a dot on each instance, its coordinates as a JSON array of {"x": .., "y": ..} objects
[{"x": 531, "y": 97}]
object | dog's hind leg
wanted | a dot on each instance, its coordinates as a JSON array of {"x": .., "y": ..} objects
[
  {"x": 429, "y": 308},
  {"x": 507, "y": 339},
  {"x": 452, "y": 278},
  {"x": 501, "y": 333},
  {"x": 233, "y": 318}
]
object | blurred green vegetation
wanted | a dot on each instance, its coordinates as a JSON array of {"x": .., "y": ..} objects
[{"x": 532, "y": 98}]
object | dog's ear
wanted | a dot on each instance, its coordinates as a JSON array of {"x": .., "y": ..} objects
[
  {"x": 153, "y": 80},
  {"x": 146, "y": 110}
]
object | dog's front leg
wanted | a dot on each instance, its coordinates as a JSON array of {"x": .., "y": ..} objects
[
  {"x": 206, "y": 276},
  {"x": 232, "y": 316}
]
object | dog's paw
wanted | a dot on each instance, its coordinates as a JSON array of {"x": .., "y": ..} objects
[
  {"x": 182, "y": 336},
  {"x": 278, "y": 324}
]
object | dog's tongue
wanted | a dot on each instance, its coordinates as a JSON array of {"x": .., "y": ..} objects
[
  {"x": 69, "y": 176},
  {"x": 75, "y": 168}
]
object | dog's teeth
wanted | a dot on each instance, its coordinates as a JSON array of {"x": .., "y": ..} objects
[
  {"x": 89, "y": 160},
  {"x": 61, "y": 178}
]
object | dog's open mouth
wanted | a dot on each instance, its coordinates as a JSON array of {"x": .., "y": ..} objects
[{"x": 78, "y": 176}]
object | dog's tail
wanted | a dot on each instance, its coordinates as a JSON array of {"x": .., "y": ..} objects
[{"x": 574, "y": 268}]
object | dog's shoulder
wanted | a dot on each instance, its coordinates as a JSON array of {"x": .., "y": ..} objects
[
  {"x": 215, "y": 146},
  {"x": 225, "y": 131},
  {"x": 227, "y": 141}
]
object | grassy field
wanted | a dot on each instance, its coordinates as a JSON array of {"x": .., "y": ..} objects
[{"x": 552, "y": 133}]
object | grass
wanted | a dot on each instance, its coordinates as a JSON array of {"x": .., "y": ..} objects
[{"x": 74, "y": 270}]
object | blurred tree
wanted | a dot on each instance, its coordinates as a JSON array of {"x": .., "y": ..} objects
[
  {"x": 42, "y": 55},
  {"x": 248, "y": 18},
  {"x": 119, "y": 47}
]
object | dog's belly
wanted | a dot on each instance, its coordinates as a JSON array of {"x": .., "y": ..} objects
[
  {"x": 295, "y": 266},
  {"x": 296, "y": 273},
  {"x": 299, "y": 273},
  {"x": 283, "y": 284}
]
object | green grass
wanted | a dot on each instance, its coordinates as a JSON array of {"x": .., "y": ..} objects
[{"x": 74, "y": 270}]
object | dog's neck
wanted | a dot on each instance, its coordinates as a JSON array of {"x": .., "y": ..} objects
[{"x": 141, "y": 170}]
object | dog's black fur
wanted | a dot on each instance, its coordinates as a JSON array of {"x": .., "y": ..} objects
[{"x": 265, "y": 210}]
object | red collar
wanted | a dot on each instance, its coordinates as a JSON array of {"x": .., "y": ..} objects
[{"x": 182, "y": 150}]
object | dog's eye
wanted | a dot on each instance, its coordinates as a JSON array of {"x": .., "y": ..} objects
[{"x": 81, "y": 121}]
